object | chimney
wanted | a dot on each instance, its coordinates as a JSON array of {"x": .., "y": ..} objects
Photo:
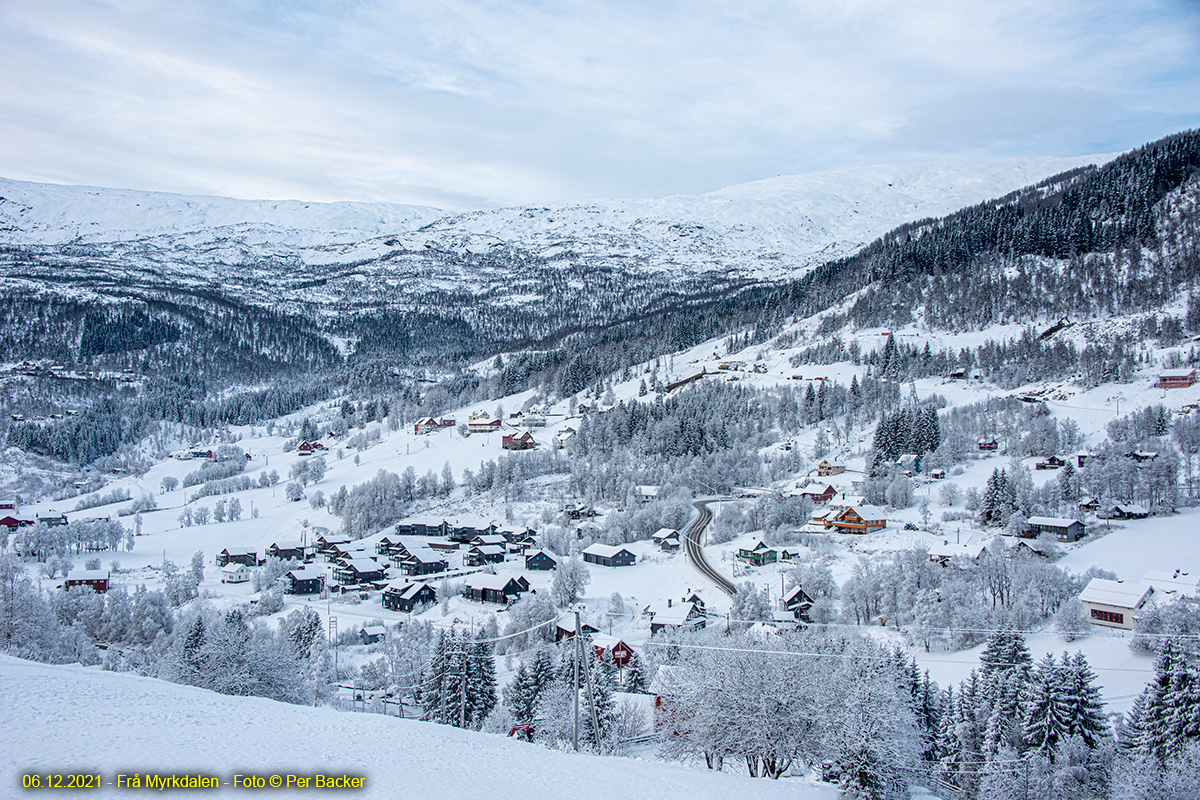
[{"x": 668, "y": 602}]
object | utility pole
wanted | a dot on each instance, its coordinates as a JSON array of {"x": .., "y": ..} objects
[
  {"x": 575, "y": 685},
  {"x": 587, "y": 676}
]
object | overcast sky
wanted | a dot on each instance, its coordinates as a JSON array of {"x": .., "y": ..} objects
[{"x": 463, "y": 104}]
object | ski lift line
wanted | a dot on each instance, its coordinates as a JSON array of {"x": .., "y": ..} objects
[{"x": 854, "y": 657}]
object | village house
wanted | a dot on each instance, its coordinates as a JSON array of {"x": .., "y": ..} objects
[
  {"x": 665, "y": 614},
  {"x": 1062, "y": 528},
  {"x": 481, "y": 554},
  {"x": 518, "y": 441},
  {"x": 827, "y": 468},
  {"x": 1141, "y": 456},
  {"x": 1052, "y": 462},
  {"x": 308, "y": 448},
  {"x": 286, "y": 551},
  {"x": 534, "y": 421},
  {"x": 857, "y": 519},
  {"x": 606, "y": 555},
  {"x": 305, "y": 580},
  {"x": 756, "y": 553},
  {"x": 990, "y": 444},
  {"x": 818, "y": 494},
  {"x": 12, "y": 523},
  {"x": 483, "y": 539},
  {"x": 51, "y": 519},
  {"x": 421, "y": 561},
  {"x": 425, "y": 425},
  {"x": 237, "y": 555},
  {"x": 944, "y": 552},
  {"x": 611, "y": 648},
  {"x": 1126, "y": 511},
  {"x": 327, "y": 541},
  {"x": 8, "y": 505},
  {"x": 235, "y": 573},
  {"x": 422, "y": 529},
  {"x": 370, "y": 634},
  {"x": 353, "y": 571},
  {"x": 95, "y": 579},
  {"x": 646, "y": 493},
  {"x": 401, "y": 596},
  {"x": 483, "y": 425},
  {"x": 497, "y": 589},
  {"x": 540, "y": 560},
  {"x": 1114, "y": 604},
  {"x": 797, "y": 602},
  {"x": 565, "y": 630},
  {"x": 1176, "y": 378}
]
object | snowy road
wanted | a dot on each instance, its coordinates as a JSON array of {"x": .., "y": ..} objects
[{"x": 695, "y": 552}]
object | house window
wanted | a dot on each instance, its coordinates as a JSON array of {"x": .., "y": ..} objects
[{"x": 1108, "y": 616}]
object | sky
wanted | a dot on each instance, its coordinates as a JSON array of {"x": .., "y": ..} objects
[{"x": 465, "y": 104}]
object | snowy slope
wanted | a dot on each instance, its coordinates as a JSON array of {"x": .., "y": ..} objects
[
  {"x": 84, "y": 720},
  {"x": 43, "y": 213}
]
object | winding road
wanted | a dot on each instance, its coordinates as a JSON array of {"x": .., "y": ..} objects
[{"x": 695, "y": 552}]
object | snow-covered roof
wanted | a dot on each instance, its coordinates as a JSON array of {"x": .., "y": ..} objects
[
  {"x": 1182, "y": 372},
  {"x": 867, "y": 511},
  {"x": 486, "y": 581},
  {"x": 604, "y": 640},
  {"x": 674, "y": 614},
  {"x": 664, "y": 533},
  {"x": 374, "y": 630},
  {"x": 489, "y": 549},
  {"x": 288, "y": 545},
  {"x": 424, "y": 555},
  {"x": 1116, "y": 593},
  {"x": 604, "y": 550},
  {"x": 362, "y": 564},
  {"x": 1187, "y": 584},
  {"x": 233, "y": 568},
  {"x": 646, "y": 490},
  {"x": 489, "y": 538},
  {"x": 950, "y": 549},
  {"x": 306, "y": 573},
  {"x": 545, "y": 553},
  {"x": 1131, "y": 508},
  {"x": 1056, "y": 522},
  {"x": 239, "y": 551},
  {"x": 88, "y": 575}
]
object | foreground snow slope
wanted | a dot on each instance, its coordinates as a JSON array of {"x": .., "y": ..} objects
[{"x": 86, "y": 720}]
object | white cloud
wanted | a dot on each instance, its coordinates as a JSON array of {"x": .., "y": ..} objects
[{"x": 469, "y": 103}]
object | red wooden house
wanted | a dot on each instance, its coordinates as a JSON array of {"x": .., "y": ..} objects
[
  {"x": 857, "y": 519},
  {"x": 483, "y": 425},
  {"x": 522, "y": 441},
  {"x": 1176, "y": 378},
  {"x": 95, "y": 579},
  {"x": 818, "y": 495},
  {"x": 611, "y": 647}
]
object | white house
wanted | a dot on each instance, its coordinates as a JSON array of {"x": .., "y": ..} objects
[
  {"x": 235, "y": 573},
  {"x": 1114, "y": 604}
]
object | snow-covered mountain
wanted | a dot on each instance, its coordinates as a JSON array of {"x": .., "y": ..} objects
[
  {"x": 770, "y": 227},
  {"x": 485, "y": 281}
]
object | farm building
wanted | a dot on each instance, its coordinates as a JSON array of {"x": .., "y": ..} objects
[
  {"x": 541, "y": 560},
  {"x": 235, "y": 573},
  {"x": 306, "y": 580},
  {"x": 95, "y": 579},
  {"x": 400, "y": 596},
  {"x": 607, "y": 555}
]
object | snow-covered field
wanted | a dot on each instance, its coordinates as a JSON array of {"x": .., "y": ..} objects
[{"x": 82, "y": 720}]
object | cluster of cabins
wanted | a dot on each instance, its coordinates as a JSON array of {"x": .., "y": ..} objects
[
  {"x": 432, "y": 425},
  {"x": 50, "y": 519},
  {"x": 1115, "y": 604}
]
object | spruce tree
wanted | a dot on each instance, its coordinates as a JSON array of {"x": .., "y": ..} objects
[{"x": 1045, "y": 715}]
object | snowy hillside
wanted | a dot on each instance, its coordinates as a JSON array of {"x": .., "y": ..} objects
[{"x": 84, "y": 720}]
